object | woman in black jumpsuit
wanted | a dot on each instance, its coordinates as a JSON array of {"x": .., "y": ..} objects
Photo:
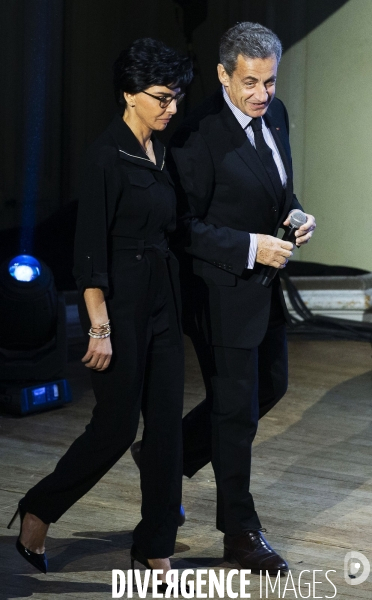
[{"x": 125, "y": 273}]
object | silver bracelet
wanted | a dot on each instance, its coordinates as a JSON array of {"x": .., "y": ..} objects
[
  {"x": 98, "y": 336},
  {"x": 100, "y": 332}
]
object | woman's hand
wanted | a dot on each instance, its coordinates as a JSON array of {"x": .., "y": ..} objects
[
  {"x": 99, "y": 351},
  {"x": 99, "y": 354}
]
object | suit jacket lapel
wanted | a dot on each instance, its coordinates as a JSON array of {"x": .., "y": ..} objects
[
  {"x": 275, "y": 131},
  {"x": 244, "y": 148},
  {"x": 249, "y": 155}
]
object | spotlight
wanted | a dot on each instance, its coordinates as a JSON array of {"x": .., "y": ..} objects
[
  {"x": 24, "y": 268},
  {"x": 33, "y": 341}
]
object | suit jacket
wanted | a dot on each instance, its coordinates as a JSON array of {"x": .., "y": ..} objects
[{"x": 224, "y": 193}]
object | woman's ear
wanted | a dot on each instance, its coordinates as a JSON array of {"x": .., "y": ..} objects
[{"x": 130, "y": 99}]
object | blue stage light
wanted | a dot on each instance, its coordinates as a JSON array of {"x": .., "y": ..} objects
[
  {"x": 19, "y": 400},
  {"x": 24, "y": 267},
  {"x": 33, "y": 341}
]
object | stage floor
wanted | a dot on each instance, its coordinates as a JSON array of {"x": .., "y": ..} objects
[{"x": 311, "y": 480}]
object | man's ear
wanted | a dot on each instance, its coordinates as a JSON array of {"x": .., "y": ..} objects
[{"x": 222, "y": 75}]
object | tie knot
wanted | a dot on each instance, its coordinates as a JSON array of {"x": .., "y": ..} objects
[{"x": 256, "y": 124}]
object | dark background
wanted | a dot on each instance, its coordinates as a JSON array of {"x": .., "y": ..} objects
[{"x": 56, "y": 61}]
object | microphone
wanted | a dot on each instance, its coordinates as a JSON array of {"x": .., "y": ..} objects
[{"x": 296, "y": 219}]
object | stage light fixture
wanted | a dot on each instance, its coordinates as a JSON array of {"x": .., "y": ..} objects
[
  {"x": 33, "y": 340},
  {"x": 24, "y": 267}
]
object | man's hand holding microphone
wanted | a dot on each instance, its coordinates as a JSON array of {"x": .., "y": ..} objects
[{"x": 274, "y": 252}]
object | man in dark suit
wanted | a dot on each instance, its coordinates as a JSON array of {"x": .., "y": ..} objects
[{"x": 231, "y": 162}]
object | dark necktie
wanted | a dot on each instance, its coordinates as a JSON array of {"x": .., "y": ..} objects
[{"x": 266, "y": 156}]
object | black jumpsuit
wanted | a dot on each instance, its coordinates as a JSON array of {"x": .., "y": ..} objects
[{"x": 126, "y": 207}]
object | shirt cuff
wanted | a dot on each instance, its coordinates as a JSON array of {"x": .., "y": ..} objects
[{"x": 252, "y": 251}]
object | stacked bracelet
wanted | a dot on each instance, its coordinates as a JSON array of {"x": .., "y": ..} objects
[{"x": 100, "y": 332}]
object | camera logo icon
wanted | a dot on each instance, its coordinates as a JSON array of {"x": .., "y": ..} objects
[{"x": 356, "y": 568}]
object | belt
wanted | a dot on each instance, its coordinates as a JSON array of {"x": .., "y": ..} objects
[{"x": 160, "y": 247}]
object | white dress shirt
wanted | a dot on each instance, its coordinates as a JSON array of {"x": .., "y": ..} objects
[{"x": 244, "y": 120}]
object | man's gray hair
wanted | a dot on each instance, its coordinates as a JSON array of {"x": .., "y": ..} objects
[{"x": 252, "y": 40}]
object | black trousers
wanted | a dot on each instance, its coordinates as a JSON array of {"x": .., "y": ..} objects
[
  {"x": 144, "y": 350},
  {"x": 241, "y": 386}
]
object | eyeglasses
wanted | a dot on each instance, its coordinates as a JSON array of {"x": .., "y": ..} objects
[{"x": 165, "y": 101}]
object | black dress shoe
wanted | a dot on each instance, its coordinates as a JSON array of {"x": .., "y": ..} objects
[
  {"x": 39, "y": 561},
  {"x": 251, "y": 551},
  {"x": 135, "y": 450}
]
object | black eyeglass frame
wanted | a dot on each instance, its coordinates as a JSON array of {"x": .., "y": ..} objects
[{"x": 165, "y": 101}]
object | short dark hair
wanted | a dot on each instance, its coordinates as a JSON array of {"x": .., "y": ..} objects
[
  {"x": 252, "y": 40},
  {"x": 147, "y": 62}
]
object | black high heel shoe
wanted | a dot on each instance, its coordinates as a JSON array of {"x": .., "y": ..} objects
[
  {"x": 137, "y": 555},
  {"x": 39, "y": 561}
]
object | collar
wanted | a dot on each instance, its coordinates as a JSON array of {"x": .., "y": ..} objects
[
  {"x": 241, "y": 117},
  {"x": 131, "y": 149}
]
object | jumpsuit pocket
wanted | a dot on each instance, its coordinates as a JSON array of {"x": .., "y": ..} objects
[{"x": 141, "y": 178}]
